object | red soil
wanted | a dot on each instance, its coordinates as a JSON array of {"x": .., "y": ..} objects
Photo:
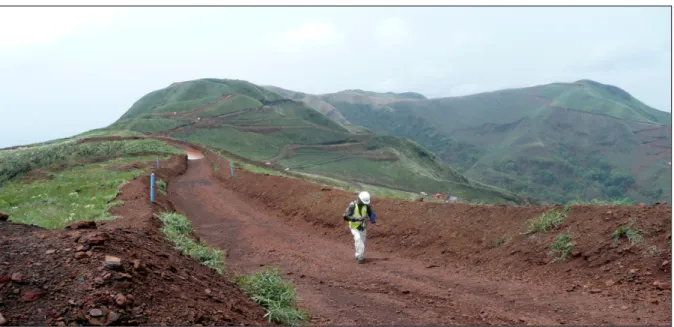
[
  {"x": 428, "y": 263},
  {"x": 433, "y": 263},
  {"x": 57, "y": 284}
]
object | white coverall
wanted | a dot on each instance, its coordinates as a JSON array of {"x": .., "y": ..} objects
[{"x": 358, "y": 214}]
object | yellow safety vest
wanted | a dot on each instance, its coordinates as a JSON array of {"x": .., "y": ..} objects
[{"x": 358, "y": 213}]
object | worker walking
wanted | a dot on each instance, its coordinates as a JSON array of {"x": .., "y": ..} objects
[{"x": 355, "y": 214}]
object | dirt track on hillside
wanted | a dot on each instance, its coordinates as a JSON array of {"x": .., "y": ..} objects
[{"x": 405, "y": 281}]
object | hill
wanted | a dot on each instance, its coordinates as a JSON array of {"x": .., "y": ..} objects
[
  {"x": 557, "y": 142},
  {"x": 256, "y": 123}
]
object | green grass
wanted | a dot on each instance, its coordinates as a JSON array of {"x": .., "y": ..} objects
[
  {"x": 598, "y": 202},
  {"x": 75, "y": 193},
  {"x": 512, "y": 139},
  {"x": 14, "y": 163},
  {"x": 150, "y": 124},
  {"x": 236, "y": 103},
  {"x": 268, "y": 289},
  {"x": 177, "y": 229},
  {"x": 547, "y": 221},
  {"x": 161, "y": 186},
  {"x": 631, "y": 234},
  {"x": 562, "y": 247}
]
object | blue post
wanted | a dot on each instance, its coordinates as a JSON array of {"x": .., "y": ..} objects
[
  {"x": 231, "y": 167},
  {"x": 157, "y": 162},
  {"x": 152, "y": 187}
]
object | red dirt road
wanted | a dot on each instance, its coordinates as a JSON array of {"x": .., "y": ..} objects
[{"x": 393, "y": 287}]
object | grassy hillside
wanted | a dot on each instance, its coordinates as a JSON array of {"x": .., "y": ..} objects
[
  {"x": 256, "y": 123},
  {"x": 557, "y": 142}
]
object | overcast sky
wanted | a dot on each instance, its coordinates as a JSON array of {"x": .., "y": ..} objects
[{"x": 69, "y": 70}]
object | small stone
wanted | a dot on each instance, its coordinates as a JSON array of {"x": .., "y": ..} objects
[
  {"x": 112, "y": 317},
  {"x": 595, "y": 291},
  {"x": 98, "y": 281},
  {"x": 80, "y": 255},
  {"x": 129, "y": 298},
  {"x": 406, "y": 292},
  {"x": 107, "y": 276},
  {"x": 624, "y": 307},
  {"x": 67, "y": 250},
  {"x": 665, "y": 263},
  {"x": 120, "y": 299},
  {"x": 5, "y": 278},
  {"x": 113, "y": 262},
  {"x": 3, "y": 321},
  {"x": 30, "y": 296},
  {"x": 95, "y": 312},
  {"x": 633, "y": 271},
  {"x": 50, "y": 251},
  {"x": 208, "y": 291},
  {"x": 72, "y": 302},
  {"x": 17, "y": 277},
  {"x": 82, "y": 247},
  {"x": 87, "y": 224},
  {"x": 609, "y": 283},
  {"x": 655, "y": 301},
  {"x": 664, "y": 286},
  {"x": 576, "y": 254},
  {"x": 137, "y": 265},
  {"x": 97, "y": 240}
]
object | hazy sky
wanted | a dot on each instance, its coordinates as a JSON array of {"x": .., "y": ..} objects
[{"x": 69, "y": 70}]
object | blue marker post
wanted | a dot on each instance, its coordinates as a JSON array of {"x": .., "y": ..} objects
[
  {"x": 231, "y": 167},
  {"x": 152, "y": 187}
]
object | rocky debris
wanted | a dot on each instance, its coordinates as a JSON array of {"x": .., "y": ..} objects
[
  {"x": 662, "y": 285},
  {"x": 17, "y": 277},
  {"x": 86, "y": 224},
  {"x": 98, "y": 239},
  {"x": 95, "y": 312},
  {"x": 609, "y": 283},
  {"x": 3, "y": 321},
  {"x": 30, "y": 296},
  {"x": 120, "y": 299},
  {"x": 4, "y": 217},
  {"x": 114, "y": 263},
  {"x": 80, "y": 255},
  {"x": 51, "y": 251}
]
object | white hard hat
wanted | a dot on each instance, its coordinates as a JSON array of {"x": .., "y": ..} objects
[{"x": 365, "y": 197}]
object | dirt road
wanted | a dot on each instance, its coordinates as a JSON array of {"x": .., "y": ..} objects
[{"x": 387, "y": 289}]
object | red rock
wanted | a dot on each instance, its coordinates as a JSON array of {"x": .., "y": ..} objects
[
  {"x": 120, "y": 299},
  {"x": 30, "y": 296},
  {"x": 98, "y": 239},
  {"x": 4, "y": 278},
  {"x": 87, "y": 224}
]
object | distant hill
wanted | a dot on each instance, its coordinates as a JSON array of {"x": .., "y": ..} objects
[
  {"x": 273, "y": 125},
  {"x": 557, "y": 142}
]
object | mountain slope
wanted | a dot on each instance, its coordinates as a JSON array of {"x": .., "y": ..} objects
[
  {"x": 556, "y": 142},
  {"x": 253, "y": 122}
]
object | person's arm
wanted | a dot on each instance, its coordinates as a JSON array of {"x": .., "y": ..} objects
[
  {"x": 371, "y": 214},
  {"x": 348, "y": 213}
]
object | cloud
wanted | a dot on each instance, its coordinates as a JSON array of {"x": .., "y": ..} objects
[
  {"x": 314, "y": 34},
  {"x": 392, "y": 31},
  {"x": 31, "y": 26}
]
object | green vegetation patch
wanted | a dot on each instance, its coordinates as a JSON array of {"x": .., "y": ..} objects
[
  {"x": 268, "y": 289},
  {"x": 76, "y": 193},
  {"x": 547, "y": 221},
  {"x": 236, "y": 103},
  {"x": 562, "y": 247},
  {"x": 177, "y": 229},
  {"x": 626, "y": 231},
  {"x": 14, "y": 163}
]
